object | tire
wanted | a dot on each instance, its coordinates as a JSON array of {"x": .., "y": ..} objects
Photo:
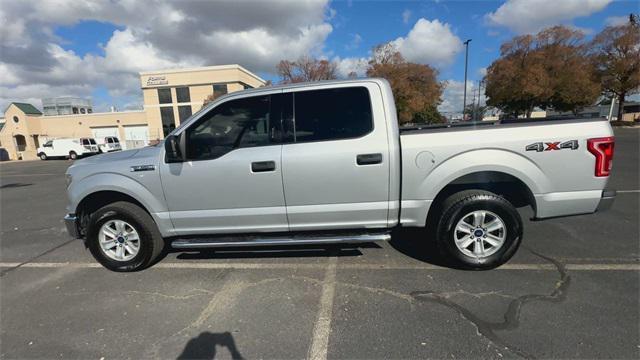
[
  {"x": 42, "y": 156},
  {"x": 492, "y": 245},
  {"x": 73, "y": 155},
  {"x": 150, "y": 242}
]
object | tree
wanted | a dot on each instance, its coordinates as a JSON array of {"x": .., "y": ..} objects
[
  {"x": 548, "y": 70},
  {"x": 306, "y": 69},
  {"x": 416, "y": 90},
  {"x": 616, "y": 57},
  {"x": 208, "y": 99}
]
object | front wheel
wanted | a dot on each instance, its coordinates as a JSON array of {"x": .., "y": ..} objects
[
  {"x": 479, "y": 229},
  {"x": 43, "y": 156},
  {"x": 73, "y": 155},
  {"x": 123, "y": 237}
]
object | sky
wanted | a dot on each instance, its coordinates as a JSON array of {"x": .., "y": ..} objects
[{"x": 95, "y": 49}]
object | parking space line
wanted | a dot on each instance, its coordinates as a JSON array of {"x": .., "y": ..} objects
[
  {"x": 271, "y": 266},
  {"x": 627, "y": 191},
  {"x": 322, "y": 327}
]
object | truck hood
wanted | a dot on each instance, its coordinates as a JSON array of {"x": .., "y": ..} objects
[{"x": 117, "y": 156}]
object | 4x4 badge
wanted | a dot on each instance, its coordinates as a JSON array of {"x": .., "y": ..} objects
[{"x": 555, "y": 145}]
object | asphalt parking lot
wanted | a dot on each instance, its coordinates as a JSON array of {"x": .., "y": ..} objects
[{"x": 572, "y": 291}]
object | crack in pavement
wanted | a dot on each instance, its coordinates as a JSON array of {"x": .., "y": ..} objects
[
  {"x": 487, "y": 329},
  {"x": 6, "y": 271}
]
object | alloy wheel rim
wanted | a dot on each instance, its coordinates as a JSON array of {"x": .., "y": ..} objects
[
  {"x": 119, "y": 240},
  {"x": 480, "y": 234}
]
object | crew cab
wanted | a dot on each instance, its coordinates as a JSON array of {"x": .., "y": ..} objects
[
  {"x": 326, "y": 162},
  {"x": 68, "y": 148}
]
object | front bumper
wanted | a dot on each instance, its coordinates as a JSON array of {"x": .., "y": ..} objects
[
  {"x": 72, "y": 222},
  {"x": 608, "y": 196}
]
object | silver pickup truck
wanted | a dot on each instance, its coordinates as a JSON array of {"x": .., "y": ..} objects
[{"x": 325, "y": 163}]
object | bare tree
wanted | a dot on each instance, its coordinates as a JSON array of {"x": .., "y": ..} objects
[
  {"x": 616, "y": 56},
  {"x": 306, "y": 69}
]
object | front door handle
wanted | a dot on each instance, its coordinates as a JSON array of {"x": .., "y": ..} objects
[
  {"x": 369, "y": 159},
  {"x": 263, "y": 166}
]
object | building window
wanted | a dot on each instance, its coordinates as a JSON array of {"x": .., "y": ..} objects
[
  {"x": 246, "y": 86},
  {"x": 164, "y": 96},
  {"x": 168, "y": 121},
  {"x": 184, "y": 112},
  {"x": 15, "y": 119},
  {"x": 182, "y": 94},
  {"x": 219, "y": 90}
]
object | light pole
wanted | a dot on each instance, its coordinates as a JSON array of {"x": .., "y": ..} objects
[{"x": 466, "y": 60}]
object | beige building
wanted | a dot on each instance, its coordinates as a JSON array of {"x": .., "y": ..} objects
[{"x": 169, "y": 96}]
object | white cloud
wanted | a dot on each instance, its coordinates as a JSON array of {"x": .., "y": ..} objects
[
  {"x": 530, "y": 16},
  {"x": 616, "y": 20},
  {"x": 352, "y": 64},
  {"x": 429, "y": 42},
  {"x": 169, "y": 34},
  {"x": 453, "y": 95},
  {"x": 356, "y": 39},
  {"x": 406, "y": 16},
  {"x": 482, "y": 71}
]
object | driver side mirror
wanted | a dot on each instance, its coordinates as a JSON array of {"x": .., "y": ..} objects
[{"x": 173, "y": 150}]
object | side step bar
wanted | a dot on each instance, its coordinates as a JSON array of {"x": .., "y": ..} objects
[{"x": 271, "y": 241}]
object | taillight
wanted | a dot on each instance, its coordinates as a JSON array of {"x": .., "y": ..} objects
[{"x": 602, "y": 149}]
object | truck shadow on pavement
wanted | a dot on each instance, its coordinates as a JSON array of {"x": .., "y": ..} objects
[
  {"x": 419, "y": 244},
  {"x": 204, "y": 346}
]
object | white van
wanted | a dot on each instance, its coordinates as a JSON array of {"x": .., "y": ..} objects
[
  {"x": 68, "y": 148},
  {"x": 109, "y": 144}
]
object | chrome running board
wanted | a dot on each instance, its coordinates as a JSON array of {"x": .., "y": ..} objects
[{"x": 271, "y": 241}]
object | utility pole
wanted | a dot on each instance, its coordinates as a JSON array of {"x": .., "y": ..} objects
[{"x": 466, "y": 60}]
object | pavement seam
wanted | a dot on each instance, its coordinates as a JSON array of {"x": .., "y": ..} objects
[{"x": 6, "y": 271}]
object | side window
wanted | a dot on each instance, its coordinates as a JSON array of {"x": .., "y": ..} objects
[
  {"x": 84, "y": 141},
  {"x": 48, "y": 143},
  {"x": 332, "y": 114},
  {"x": 237, "y": 123}
]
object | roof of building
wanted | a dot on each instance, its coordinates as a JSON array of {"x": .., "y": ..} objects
[
  {"x": 27, "y": 108},
  {"x": 203, "y": 68}
]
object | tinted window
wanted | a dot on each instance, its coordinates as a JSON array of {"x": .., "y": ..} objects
[
  {"x": 164, "y": 96},
  {"x": 219, "y": 89},
  {"x": 182, "y": 94},
  {"x": 85, "y": 141},
  {"x": 110, "y": 140},
  {"x": 234, "y": 124},
  {"x": 184, "y": 112},
  {"x": 332, "y": 114},
  {"x": 168, "y": 121},
  {"x": 115, "y": 140}
]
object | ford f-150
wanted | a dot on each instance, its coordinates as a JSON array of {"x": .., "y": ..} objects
[{"x": 326, "y": 162}]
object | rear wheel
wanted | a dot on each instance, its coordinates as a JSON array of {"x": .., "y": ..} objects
[
  {"x": 478, "y": 229},
  {"x": 73, "y": 155},
  {"x": 42, "y": 156},
  {"x": 123, "y": 237}
]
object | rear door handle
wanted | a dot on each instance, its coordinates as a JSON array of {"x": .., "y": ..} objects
[
  {"x": 263, "y": 166},
  {"x": 369, "y": 159}
]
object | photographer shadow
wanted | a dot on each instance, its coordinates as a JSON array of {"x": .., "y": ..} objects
[{"x": 205, "y": 345}]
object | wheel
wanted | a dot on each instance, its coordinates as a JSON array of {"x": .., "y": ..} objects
[
  {"x": 42, "y": 156},
  {"x": 123, "y": 237},
  {"x": 478, "y": 229},
  {"x": 73, "y": 155}
]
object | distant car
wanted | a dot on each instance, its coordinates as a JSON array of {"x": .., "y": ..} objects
[
  {"x": 109, "y": 144},
  {"x": 68, "y": 148}
]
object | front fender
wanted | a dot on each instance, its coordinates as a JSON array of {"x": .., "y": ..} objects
[{"x": 80, "y": 189}]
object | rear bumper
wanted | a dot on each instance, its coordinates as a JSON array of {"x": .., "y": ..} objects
[
  {"x": 71, "y": 222},
  {"x": 608, "y": 196}
]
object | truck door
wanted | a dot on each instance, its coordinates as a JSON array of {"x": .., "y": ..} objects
[
  {"x": 336, "y": 161},
  {"x": 232, "y": 179}
]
